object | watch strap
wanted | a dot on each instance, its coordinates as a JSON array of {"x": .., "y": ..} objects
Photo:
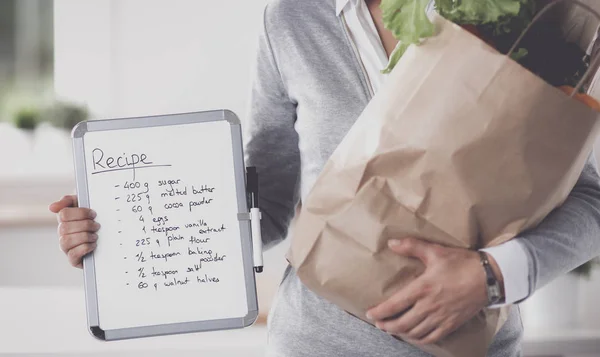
[{"x": 494, "y": 291}]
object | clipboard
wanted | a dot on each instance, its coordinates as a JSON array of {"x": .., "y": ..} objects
[{"x": 192, "y": 143}]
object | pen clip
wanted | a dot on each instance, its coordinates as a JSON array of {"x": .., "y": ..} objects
[{"x": 252, "y": 186}]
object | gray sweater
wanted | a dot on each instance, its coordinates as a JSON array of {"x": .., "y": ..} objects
[{"x": 309, "y": 89}]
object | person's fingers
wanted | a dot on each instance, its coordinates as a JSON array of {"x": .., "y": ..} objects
[
  {"x": 70, "y": 241},
  {"x": 437, "y": 334},
  {"x": 76, "y": 254},
  {"x": 397, "y": 303},
  {"x": 411, "y": 247},
  {"x": 405, "y": 322},
  {"x": 66, "y": 228},
  {"x": 66, "y": 201},
  {"x": 424, "y": 328},
  {"x": 70, "y": 214}
]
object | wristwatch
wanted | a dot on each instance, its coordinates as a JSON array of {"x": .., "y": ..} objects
[{"x": 494, "y": 291}]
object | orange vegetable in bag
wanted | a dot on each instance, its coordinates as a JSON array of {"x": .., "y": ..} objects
[{"x": 582, "y": 97}]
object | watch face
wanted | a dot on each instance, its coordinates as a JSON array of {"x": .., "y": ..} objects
[{"x": 494, "y": 293}]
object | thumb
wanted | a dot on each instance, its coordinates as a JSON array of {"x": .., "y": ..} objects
[
  {"x": 66, "y": 201},
  {"x": 410, "y": 247}
]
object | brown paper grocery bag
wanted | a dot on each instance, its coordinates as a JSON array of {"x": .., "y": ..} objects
[{"x": 462, "y": 147}]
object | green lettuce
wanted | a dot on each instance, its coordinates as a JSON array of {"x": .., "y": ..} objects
[
  {"x": 478, "y": 12},
  {"x": 519, "y": 54},
  {"x": 408, "y": 21}
]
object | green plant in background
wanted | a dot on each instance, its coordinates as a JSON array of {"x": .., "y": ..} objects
[
  {"x": 64, "y": 115},
  {"x": 26, "y": 110},
  {"x": 22, "y": 108},
  {"x": 27, "y": 118},
  {"x": 60, "y": 114},
  {"x": 585, "y": 270}
]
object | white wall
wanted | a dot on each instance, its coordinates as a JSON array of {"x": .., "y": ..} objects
[{"x": 138, "y": 57}]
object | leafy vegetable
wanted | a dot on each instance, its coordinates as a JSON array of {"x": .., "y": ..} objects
[
  {"x": 401, "y": 47},
  {"x": 408, "y": 22},
  {"x": 513, "y": 24},
  {"x": 478, "y": 12},
  {"x": 545, "y": 51},
  {"x": 519, "y": 54},
  {"x": 407, "y": 19}
]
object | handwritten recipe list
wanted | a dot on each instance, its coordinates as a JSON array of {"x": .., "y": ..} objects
[{"x": 169, "y": 231}]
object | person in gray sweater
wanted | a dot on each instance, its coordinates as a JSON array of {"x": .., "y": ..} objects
[{"x": 310, "y": 86}]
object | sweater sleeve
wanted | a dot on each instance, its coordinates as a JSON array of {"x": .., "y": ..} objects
[
  {"x": 569, "y": 236},
  {"x": 271, "y": 142}
]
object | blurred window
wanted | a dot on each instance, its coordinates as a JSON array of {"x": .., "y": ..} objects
[
  {"x": 34, "y": 129},
  {"x": 26, "y": 45}
]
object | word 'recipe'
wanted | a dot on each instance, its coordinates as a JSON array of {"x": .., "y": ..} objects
[{"x": 132, "y": 162}]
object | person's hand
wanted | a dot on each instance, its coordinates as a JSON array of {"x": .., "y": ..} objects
[
  {"x": 450, "y": 291},
  {"x": 76, "y": 229}
]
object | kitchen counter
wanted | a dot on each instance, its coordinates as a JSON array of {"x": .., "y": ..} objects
[
  {"x": 51, "y": 322},
  {"x": 566, "y": 343}
]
